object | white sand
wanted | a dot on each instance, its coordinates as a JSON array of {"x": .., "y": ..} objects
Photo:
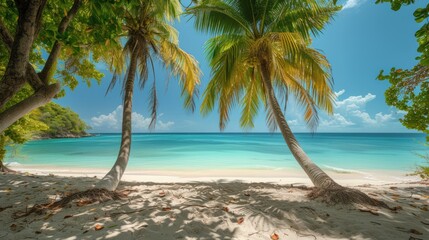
[{"x": 184, "y": 207}]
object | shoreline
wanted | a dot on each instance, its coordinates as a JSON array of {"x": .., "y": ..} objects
[{"x": 345, "y": 177}]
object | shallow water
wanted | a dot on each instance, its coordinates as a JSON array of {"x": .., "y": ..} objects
[{"x": 352, "y": 151}]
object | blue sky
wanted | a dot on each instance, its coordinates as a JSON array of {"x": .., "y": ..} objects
[{"x": 362, "y": 39}]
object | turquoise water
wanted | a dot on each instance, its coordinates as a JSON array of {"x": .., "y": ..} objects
[{"x": 358, "y": 151}]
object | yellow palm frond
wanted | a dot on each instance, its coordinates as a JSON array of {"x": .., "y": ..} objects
[{"x": 183, "y": 66}]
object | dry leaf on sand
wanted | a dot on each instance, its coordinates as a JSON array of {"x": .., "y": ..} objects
[{"x": 98, "y": 227}]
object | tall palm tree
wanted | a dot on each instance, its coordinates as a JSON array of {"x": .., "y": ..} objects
[
  {"x": 260, "y": 47},
  {"x": 149, "y": 36}
]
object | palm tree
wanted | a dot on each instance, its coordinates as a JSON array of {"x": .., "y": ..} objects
[
  {"x": 148, "y": 36},
  {"x": 260, "y": 47}
]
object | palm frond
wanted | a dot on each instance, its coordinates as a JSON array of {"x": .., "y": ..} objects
[
  {"x": 183, "y": 66},
  {"x": 218, "y": 17},
  {"x": 273, "y": 34},
  {"x": 305, "y": 18},
  {"x": 250, "y": 101},
  {"x": 270, "y": 118}
]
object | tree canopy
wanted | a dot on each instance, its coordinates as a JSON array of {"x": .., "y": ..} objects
[
  {"x": 49, "y": 121},
  {"x": 409, "y": 88},
  {"x": 51, "y": 44},
  {"x": 61, "y": 122}
]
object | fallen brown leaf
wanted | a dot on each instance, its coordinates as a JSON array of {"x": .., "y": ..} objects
[
  {"x": 414, "y": 231},
  {"x": 68, "y": 216},
  {"x": 98, "y": 227},
  {"x": 13, "y": 227},
  {"x": 226, "y": 209},
  {"x": 240, "y": 220},
  {"x": 162, "y": 194},
  {"x": 166, "y": 209},
  {"x": 274, "y": 236},
  {"x": 83, "y": 203},
  {"x": 394, "y": 209}
]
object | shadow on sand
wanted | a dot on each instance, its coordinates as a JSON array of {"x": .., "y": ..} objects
[{"x": 206, "y": 210}]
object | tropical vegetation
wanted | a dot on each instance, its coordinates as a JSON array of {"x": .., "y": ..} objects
[
  {"x": 61, "y": 122},
  {"x": 49, "y": 121},
  {"x": 261, "y": 51},
  {"x": 149, "y": 37},
  {"x": 409, "y": 88},
  {"x": 59, "y": 29}
]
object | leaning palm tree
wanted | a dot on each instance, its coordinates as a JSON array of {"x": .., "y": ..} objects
[
  {"x": 260, "y": 48},
  {"x": 149, "y": 37}
]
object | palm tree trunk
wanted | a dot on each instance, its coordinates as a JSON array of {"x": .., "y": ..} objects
[
  {"x": 113, "y": 177},
  {"x": 326, "y": 188},
  {"x": 319, "y": 178}
]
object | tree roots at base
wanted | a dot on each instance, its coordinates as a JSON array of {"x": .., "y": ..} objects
[
  {"x": 84, "y": 197},
  {"x": 5, "y": 169},
  {"x": 343, "y": 195}
]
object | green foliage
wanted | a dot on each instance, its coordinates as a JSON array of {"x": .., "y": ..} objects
[
  {"x": 149, "y": 35},
  {"x": 396, "y": 4},
  {"x": 52, "y": 120},
  {"x": 23, "y": 129},
  {"x": 409, "y": 90},
  {"x": 423, "y": 171},
  {"x": 276, "y": 33},
  {"x": 82, "y": 46},
  {"x": 61, "y": 121},
  {"x": 2, "y": 147}
]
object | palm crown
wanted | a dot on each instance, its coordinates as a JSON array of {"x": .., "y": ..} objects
[
  {"x": 274, "y": 32},
  {"x": 150, "y": 37}
]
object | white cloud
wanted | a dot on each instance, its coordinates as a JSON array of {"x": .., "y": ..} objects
[
  {"x": 352, "y": 3},
  {"x": 379, "y": 118},
  {"x": 382, "y": 118},
  {"x": 351, "y": 111},
  {"x": 113, "y": 120},
  {"x": 354, "y": 102},
  {"x": 336, "y": 120},
  {"x": 364, "y": 116},
  {"x": 293, "y": 122}
]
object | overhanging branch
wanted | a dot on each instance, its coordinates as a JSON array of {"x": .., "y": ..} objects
[{"x": 56, "y": 48}]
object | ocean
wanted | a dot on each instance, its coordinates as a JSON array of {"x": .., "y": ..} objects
[{"x": 181, "y": 151}]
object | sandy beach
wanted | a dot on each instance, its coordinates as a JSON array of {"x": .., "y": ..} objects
[{"x": 211, "y": 207}]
